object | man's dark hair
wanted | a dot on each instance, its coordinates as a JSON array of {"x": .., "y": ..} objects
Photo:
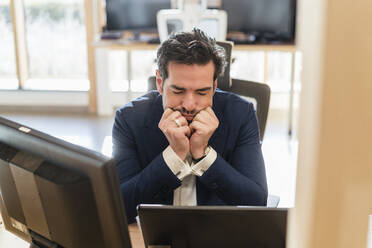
[{"x": 189, "y": 48}]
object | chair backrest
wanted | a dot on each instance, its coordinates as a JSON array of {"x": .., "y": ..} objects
[
  {"x": 151, "y": 83},
  {"x": 224, "y": 81},
  {"x": 259, "y": 91}
]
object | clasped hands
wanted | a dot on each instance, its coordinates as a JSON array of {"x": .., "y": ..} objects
[{"x": 187, "y": 138}]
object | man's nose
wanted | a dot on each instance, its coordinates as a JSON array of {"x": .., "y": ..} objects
[{"x": 189, "y": 102}]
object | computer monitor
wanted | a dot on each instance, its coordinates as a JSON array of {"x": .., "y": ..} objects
[
  {"x": 213, "y": 226},
  {"x": 56, "y": 194},
  {"x": 262, "y": 20},
  {"x": 134, "y": 15}
]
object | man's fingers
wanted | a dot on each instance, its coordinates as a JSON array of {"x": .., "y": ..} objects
[
  {"x": 202, "y": 116},
  {"x": 167, "y": 120},
  {"x": 182, "y": 121},
  {"x": 205, "y": 117},
  {"x": 186, "y": 130},
  {"x": 196, "y": 125},
  {"x": 211, "y": 112},
  {"x": 173, "y": 116},
  {"x": 176, "y": 115},
  {"x": 166, "y": 113}
]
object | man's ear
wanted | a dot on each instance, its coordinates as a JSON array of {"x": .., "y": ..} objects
[
  {"x": 159, "y": 82},
  {"x": 214, "y": 85}
]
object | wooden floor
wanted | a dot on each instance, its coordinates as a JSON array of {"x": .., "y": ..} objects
[{"x": 280, "y": 151}]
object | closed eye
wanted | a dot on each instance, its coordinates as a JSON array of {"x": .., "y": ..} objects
[
  {"x": 204, "y": 91},
  {"x": 177, "y": 92}
]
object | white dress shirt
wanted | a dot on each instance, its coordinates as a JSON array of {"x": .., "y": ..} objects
[{"x": 186, "y": 171}]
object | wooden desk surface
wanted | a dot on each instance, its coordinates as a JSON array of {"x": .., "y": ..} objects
[{"x": 136, "y": 236}]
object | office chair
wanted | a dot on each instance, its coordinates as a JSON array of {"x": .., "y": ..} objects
[{"x": 260, "y": 92}]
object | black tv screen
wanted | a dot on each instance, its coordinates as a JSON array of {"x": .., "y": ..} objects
[
  {"x": 134, "y": 15},
  {"x": 56, "y": 194},
  {"x": 262, "y": 20}
]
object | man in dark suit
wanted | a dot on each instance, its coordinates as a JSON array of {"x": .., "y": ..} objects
[{"x": 189, "y": 143}]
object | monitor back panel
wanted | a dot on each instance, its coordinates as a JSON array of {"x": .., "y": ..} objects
[{"x": 213, "y": 226}]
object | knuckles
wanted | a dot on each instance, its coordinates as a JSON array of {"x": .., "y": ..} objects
[{"x": 167, "y": 127}]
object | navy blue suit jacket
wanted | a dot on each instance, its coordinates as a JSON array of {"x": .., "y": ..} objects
[{"x": 237, "y": 177}]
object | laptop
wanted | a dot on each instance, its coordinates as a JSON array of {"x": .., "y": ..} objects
[{"x": 213, "y": 226}]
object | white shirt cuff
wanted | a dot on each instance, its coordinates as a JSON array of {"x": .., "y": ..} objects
[
  {"x": 203, "y": 165},
  {"x": 175, "y": 164}
]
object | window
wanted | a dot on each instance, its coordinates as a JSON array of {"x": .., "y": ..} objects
[
  {"x": 8, "y": 73},
  {"x": 141, "y": 65},
  {"x": 141, "y": 71},
  {"x": 279, "y": 71},
  {"x": 248, "y": 65},
  {"x": 118, "y": 71},
  {"x": 56, "y": 44}
]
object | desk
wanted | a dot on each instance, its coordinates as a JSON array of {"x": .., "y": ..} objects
[
  {"x": 136, "y": 236},
  {"x": 102, "y": 47}
]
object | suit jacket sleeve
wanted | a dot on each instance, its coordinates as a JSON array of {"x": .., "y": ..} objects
[
  {"x": 153, "y": 183},
  {"x": 241, "y": 180}
]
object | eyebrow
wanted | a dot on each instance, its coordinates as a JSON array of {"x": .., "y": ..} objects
[
  {"x": 204, "y": 89},
  {"x": 180, "y": 88},
  {"x": 176, "y": 87}
]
